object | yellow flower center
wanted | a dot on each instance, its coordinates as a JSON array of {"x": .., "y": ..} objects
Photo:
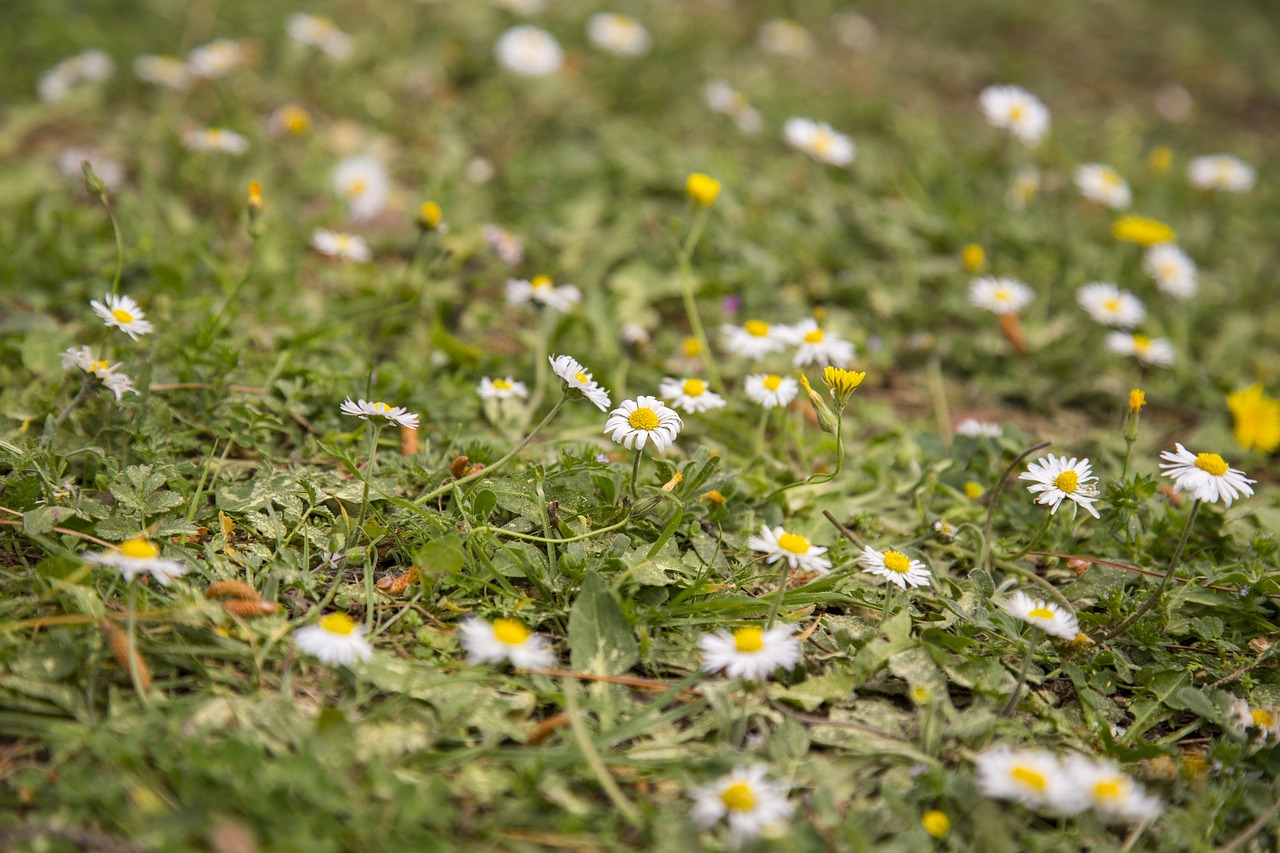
[
  {"x": 772, "y": 381},
  {"x": 895, "y": 562},
  {"x": 1167, "y": 270},
  {"x": 703, "y": 189},
  {"x": 973, "y": 490},
  {"x": 1107, "y": 789},
  {"x": 935, "y": 823},
  {"x": 338, "y": 623},
  {"x": 1067, "y": 481},
  {"x": 691, "y": 347},
  {"x": 920, "y": 694},
  {"x": 1112, "y": 305},
  {"x": 822, "y": 142},
  {"x": 510, "y": 631},
  {"x": 540, "y": 281},
  {"x": 749, "y": 640},
  {"x": 714, "y": 496},
  {"x": 1040, "y": 613},
  {"x": 381, "y": 408},
  {"x": 814, "y": 337},
  {"x": 343, "y": 242},
  {"x": 121, "y": 315},
  {"x": 757, "y": 328},
  {"x": 99, "y": 366},
  {"x": 1262, "y": 718},
  {"x": 1002, "y": 294},
  {"x": 739, "y": 797},
  {"x": 972, "y": 256},
  {"x": 581, "y": 378},
  {"x": 296, "y": 120},
  {"x": 1030, "y": 778},
  {"x": 1016, "y": 113},
  {"x": 139, "y": 549},
  {"x": 357, "y": 188},
  {"x": 794, "y": 543},
  {"x": 694, "y": 387},
  {"x": 1211, "y": 462},
  {"x": 430, "y": 214},
  {"x": 643, "y": 418},
  {"x": 502, "y": 384},
  {"x": 1141, "y": 343}
]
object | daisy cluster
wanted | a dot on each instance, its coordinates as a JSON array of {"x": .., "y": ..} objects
[{"x": 1064, "y": 785}]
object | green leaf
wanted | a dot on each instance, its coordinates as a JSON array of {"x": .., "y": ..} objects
[
  {"x": 600, "y": 640},
  {"x": 444, "y": 556}
]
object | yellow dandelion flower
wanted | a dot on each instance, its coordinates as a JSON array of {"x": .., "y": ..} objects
[
  {"x": 703, "y": 189},
  {"x": 1257, "y": 419},
  {"x": 1143, "y": 231}
]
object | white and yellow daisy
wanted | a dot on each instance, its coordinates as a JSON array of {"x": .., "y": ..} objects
[
  {"x": 1111, "y": 306},
  {"x": 1109, "y": 791},
  {"x": 755, "y": 339},
  {"x": 724, "y": 99},
  {"x": 336, "y": 244},
  {"x": 750, "y": 653},
  {"x": 71, "y": 163},
  {"x": 1205, "y": 476},
  {"x": 1015, "y": 110},
  {"x": 541, "y": 290},
  {"x": 1031, "y": 777},
  {"x": 1156, "y": 351},
  {"x": 1173, "y": 270},
  {"x": 1045, "y": 615},
  {"x": 335, "y": 640},
  {"x": 1000, "y": 295},
  {"x": 1058, "y": 478},
  {"x": 975, "y": 428},
  {"x": 365, "y": 410},
  {"x": 122, "y": 313},
  {"x": 87, "y": 67},
  {"x": 320, "y": 32},
  {"x": 217, "y": 140},
  {"x": 771, "y": 390},
  {"x": 116, "y": 382},
  {"x": 1103, "y": 184},
  {"x": 217, "y": 58},
  {"x": 1024, "y": 188},
  {"x": 289, "y": 120},
  {"x": 509, "y": 247},
  {"x": 529, "y": 51},
  {"x": 745, "y": 800},
  {"x": 618, "y": 34},
  {"x": 817, "y": 346},
  {"x": 785, "y": 37},
  {"x": 167, "y": 71},
  {"x": 137, "y": 556},
  {"x": 361, "y": 182},
  {"x": 578, "y": 377},
  {"x": 819, "y": 140},
  {"x": 644, "y": 420},
  {"x": 504, "y": 640},
  {"x": 895, "y": 567},
  {"x": 798, "y": 552},
  {"x": 501, "y": 389},
  {"x": 1241, "y": 717},
  {"x": 1220, "y": 172},
  {"x": 691, "y": 394}
]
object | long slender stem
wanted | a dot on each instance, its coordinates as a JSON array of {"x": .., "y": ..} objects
[
  {"x": 86, "y": 385},
  {"x": 364, "y": 505},
  {"x": 1032, "y": 642},
  {"x": 776, "y": 607},
  {"x": 115, "y": 227},
  {"x": 528, "y": 538},
  {"x": 984, "y": 561},
  {"x": 889, "y": 594},
  {"x": 1035, "y": 540},
  {"x": 578, "y": 726},
  {"x": 818, "y": 479},
  {"x": 635, "y": 472},
  {"x": 695, "y": 321},
  {"x": 1159, "y": 590}
]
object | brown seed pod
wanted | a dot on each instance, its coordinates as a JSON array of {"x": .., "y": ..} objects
[
  {"x": 397, "y": 584},
  {"x": 232, "y": 589},
  {"x": 408, "y": 440},
  {"x": 458, "y": 467},
  {"x": 118, "y": 640},
  {"x": 546, "y": 728},
  {"x": 249, "y": 609},
  {"x": 475, "y": 469}
]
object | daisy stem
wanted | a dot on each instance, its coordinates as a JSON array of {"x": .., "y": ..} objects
[
  {"x": 695, "y": 320},
  {"x": 86, "y": 385},
  {"x": 818, "y": 479},
  {"x": 1035, "y": 540},
  {"x": 889, "y": 594},
  {"x": 762, "y": 431},
  {"x": 1032, "y": 642},
  {"x": 131, "y": 634},
  {"x": 984, "y": 560},
  {"x": 635, "y": 471},
  {"x": 1159, "y": 590},
  {"x": 115, "y": 228},
  {"x": 1128, "y": 449},
  {"x": 525, "y": 537},
  {"x": 368, "y": 472},
  {"x": 776, "y": 607}
]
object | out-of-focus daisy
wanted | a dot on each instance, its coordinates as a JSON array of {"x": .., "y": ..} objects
[
  {"x": 217, "y": 58},
  {"x": 71, "y": 163},
  {"x": 1109, "y": 791},
  {"x": 724, "y": 99},
  {"x": 1160, "y": 159},
  {"x": 215, "y": 139},
  {"x": 1000, "y": 295},
  {"x": 540, "y": 289},
  {"x": 335, "y": 640},
  {"x": 785, "y": 38},
  {"x": 1220, "y": 172},
  {"x": 895, "y": 567},
  {"x": 856, "y": 32},
  {"x": 289, "y": 120},
  {"x": 361, "y": 182},
  {"x": 1104, "y": 185},
  {"x": 529, "y": 51},
  {"x": 116, "y": 382},
  {"x": 748, "y": 802},
  {"x": 167, "y": 71},
  {"x": 819, "y": 140},
  {"x": 88, "y": 67},
  {"x": 1111, "y": 306},
  {"x": 365, "y": 410},
  {"x": 771, "y": 390},
  {"x": 122, "y": 313},
  {"x": 755, "y": 339},
  {"x": 618, "y": 34},
  {"x": 1174, "y": 103},
  {"x": 1157, "y": 351},
  {"x": 1024, "y": 189},
  {"x": 349, "y": 247},
  {"x": 578, "y": 377},
  {"x": 635, "y": 334},
  {"x": 479, "y": 170},
  {"x": 1030, "y": 776},
  {"x": 509, "y": 247},
  {"x": 1174, "y": 271},
  {"x": 1241, "y": 717},
  {"x": 644, "y": 419},
  {"x": 139, "y": 556},
  {"x": 1015, "y": 110},
  {"x": 799, "y": 553},
  {"x": 1205, "y": 476},
  {"x": 1056, "y": 479},
  {"x": 1142, "y": 230},
  {"x": 501, "y": 389},
  {"x": 318, "y": 31},
  {"x": 1045, "y": 615},
  {"x": 975, "y": 428},
  {"x": 1256, "y": 419},
  {"x": 936, "y": 823},
  {"x": 504, "y": 640},
  {"x": 522, "y": 7},
  {"x": 691, "y": 395},
  {"x": 817, "y": 346},
  {"x": 751, "y": 653}
]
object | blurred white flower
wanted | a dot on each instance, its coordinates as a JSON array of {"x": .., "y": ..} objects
[
  {"x": 1220, "y": 172},
  {"x": 618, "y": 34},
  {"x": 1015, "y": 110},
  {"x": 1103, "y": 184},
  {"x": 819, "y": 140},
  {"x": 361, "y": 182},
  {"x": 529, "y": 50},
  {"x": 217, "y": 58},
  {"x": 785, "y": 38},
  {"x": 320, "y": 32}
]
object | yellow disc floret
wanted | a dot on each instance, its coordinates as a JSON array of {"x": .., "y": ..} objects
[
  {"x": 510, "y": 631},
  {"x": 1212, "y": 463},
  {"x": 643, "y": 418},
  {"x": 794, "y": 543},
  {"x": 338, "y": 623},
  {"x": 139, "y": 549}
]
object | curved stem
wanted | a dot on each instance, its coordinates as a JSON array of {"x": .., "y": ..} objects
[
  {"x": 984, "y": 561},
  {"x": 1035, "y": 540},
  {"x": 529, "y": 538},
  {"x": 1173, "y": 565},
  {"x": 133, "y": 645},
  {"x": 1032, "y": 642},
  {"x": 777, "y": 599},
  {"x": 818, "y": 479},
  {"x": 115, "y": 228}
]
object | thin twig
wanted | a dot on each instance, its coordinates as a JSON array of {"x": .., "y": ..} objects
[
  {"x": 844, "y": 531},
  {"x": 627, "y": 680},
  {"x": 76, "y": 533},
  {"x": 1251, "y": 830}
]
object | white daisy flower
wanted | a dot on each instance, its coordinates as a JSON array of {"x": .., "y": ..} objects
[
  {"x": 1045, "y": 615},
  {"x": 90, "y": 66},
  {"x": 118, "y": 383},
  {"x": 1015, "y": 110},
  {"x": 644, "y": 419},
  {"x": 479, "y": 170},
  {"x": 750, "y": 653},
  {"x": 1109, "y": 791},
  {"x": 1000, "y": 295},
  {"x": 755, "y": 339},
  {"x": 529, "y": 50},
  {"x": 748, "y": 802},
  {"x": 1032, "y": 777},
  {"x": 540, "y": 289},
  {"x": 771, "y": 390},
  {"x": 895, "y": 567},
  {"x": 817, "y": 346},
  {"x": 819, "y": 140},
  {"x": 635, "y": 334},
  {"x": 724, "y": 99},
  {"x": 501, "y": 389},
  {"x": 1058, "y": 478},
  {"x": 508, "y": 246},
  {"x": 139, "y": 556},
  {"x": 1240, "y": 717},
  {"x": 215, "y": 139},
  {"x": 577, "y": 376},
  {"x": 1174, "y": 271},
  {"x": 504, "y": 640},
  {"x": 1157, "y": 351},
  {"x": 289, "y": 120},
  {"x": 691, "y": 395},
  {"x": 71, "y": 163},
  {"x": 363, "y": 184},
  {"x": 167, "y": 71},
  {"x": 777, "y": 544},
  {"x": 1111, "y": 306},
  {"x": 364, "y": 410},
  {"x": 216, "y": 59},
  {"x": 1220, "y": 172},
  {"x": 785, "y": 38},
  {"x": 349, "y": 247},
  {"x": 1104, "y": 185},
  {"x": 618, "y": 34},
  {"x": 320, "y": 32},
  {"x": 122, "y": 313},
  {"x": 975, "y": 428},
  {"x": 1205, "y": 476},
  {"x": 335, "y": 640},
  {"x": 1024, "y": 189}
]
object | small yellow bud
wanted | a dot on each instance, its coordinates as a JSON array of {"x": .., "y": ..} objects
[
  {"x": 1137, "y": 399},
  {"x": 936, "y": 823},
  {"x": 429, "y": 216},
  {"x": 1160, "y": 159},
  {"x": 973, "y": 257},
  {"x": 691, "y": 347},
  {"x": 714, "y": 496},
  {"x": 1143, "y": 231},
  {"x": 255, "y": 195},
  {"x": 827, "y": 420},
  {"x": 673, "y": 482},
  {"x": 973, "y": 490},
  {"x": 255, "y": 210},
  {"x": 703, "y": 189}
]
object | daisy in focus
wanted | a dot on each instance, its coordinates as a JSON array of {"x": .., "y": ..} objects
[
  {"x": 216, "y": 140},
  {"x": 1104, "y": 185},
  {"x": 335, "y": 244},
  {"x": 1156, "y": 351},
  {"x": 771, "y": 390},
  {"x": 785, "y": 38},
  {"x": 575, "y": 376},
  {"x": 216, "y": 59},
  {"x": 361, "y": 182},
  {"x": 975, "y": 428},
  {"x": 167, "y": 71},
  {"x": 1220, "y": 172},
  {"x": 335, "y": 640},
  {"x": 755, "y": 339},
  {"x": 644, "y": 420},
  {"x": 1057, "y": 479},
  {"x": 395, "y": 414},
  {"x": 1173, "y": 270},
  {"x": 798, "y": 552},
  {"x": 1256, "y": 419},
  {"x": 1109, "y": 305},
  {"x": 122, "y": 313},
  {"x": 618, "y": 34},
  {"x": 1045, "y": 615},
  {"x": 319, "y": 32},
  {"x": 817, "y": 346},
  {"x": 117, "y": 383},
  {"x": 529, "y": 51},
  {"x": 501, "y": 389},
  {"x": 1031, "y": 777},
  {"x": 748, "y": 802},
  {"x": 138, "y": 556},
  {"x": 819, "y": 140},
  {"x": 1015, "y": 110},
  {"x": 722, "y": 98},
  {"x": 690, "y": 395},
  {"x": 750, "y": 653},
  {"x": 895, "y": 567},
  {"x": 1205, "y": 476},
  {"x": 1109, "y": 791},
  {"x": 1000, "y": 295},
  {"x": 504, "y": 640},
  {"x": 540, "y": 289}
]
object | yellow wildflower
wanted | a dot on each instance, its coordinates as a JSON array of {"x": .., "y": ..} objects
[{"x": 1257, "y": 419}]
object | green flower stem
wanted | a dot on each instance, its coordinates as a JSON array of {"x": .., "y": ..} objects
[
  {"x": 635, "y": 471},
  {"x": 776, "y": 607},
  {"x": 529, "y": 538},
  {"x": 541, "y": 362},
  {"x": 984, "y": 561},
  {"x": 762, "y": 430},
  {"x": 889, "y": 595},
  {"x": 1035, "y": 540},
  {"x": 115, "y": 228},
  {"x": 1173, "y": 566},
  {"x": 364, "y": 505},
  {"x": 695, "y": 320},
  {"x": 818, "y": 479},
  {"x": 1032, "y": 642}
]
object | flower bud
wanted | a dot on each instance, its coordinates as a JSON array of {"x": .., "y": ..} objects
[{"x": 703, "y": 189}]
